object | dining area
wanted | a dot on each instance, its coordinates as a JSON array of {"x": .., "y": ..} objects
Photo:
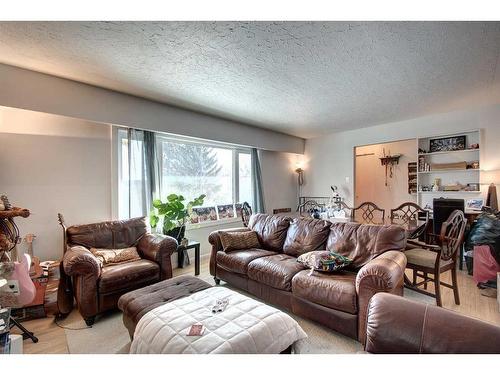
[{"x": 435, "y": 238}]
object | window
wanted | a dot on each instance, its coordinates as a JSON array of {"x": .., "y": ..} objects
[{"x": 190, "y": 168}]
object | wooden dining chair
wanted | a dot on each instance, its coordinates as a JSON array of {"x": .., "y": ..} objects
[
  {"x": 368, "y": 213},
  {"x": 413, "y": 218},
  {"x": 434, "y": 259},
  {"x": 308, "y": 207}
]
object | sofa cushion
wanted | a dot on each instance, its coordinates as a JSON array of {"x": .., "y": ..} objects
[
  {"x": 108, "y": 234},
  {"x": 276, "y": 271},
  {"x": 334, "y": 290},
  {"x": 271, "y": 230},
  {"x": 364, "y": 242},
  {"x": 324, "y": 261},
  {"x": 128, "y": 275},
  {"x": 305, "y": 235},
  {"x": 231, "y": 241},
  {"x": 237, "y": 261}
]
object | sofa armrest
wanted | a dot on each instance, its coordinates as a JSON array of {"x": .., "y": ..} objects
[
  {"x": 398, "y": 325},
  {"x": 382, "y": 274},
  {"x": 79, "y": 261},
  {"x": 158, "y": 248},
  {"x": 214, "y": 240}
]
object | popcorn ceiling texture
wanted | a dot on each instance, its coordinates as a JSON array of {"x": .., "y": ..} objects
[{"x": 300, "y": 78}]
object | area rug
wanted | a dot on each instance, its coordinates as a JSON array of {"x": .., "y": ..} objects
[{"x": 109, "y": 335}]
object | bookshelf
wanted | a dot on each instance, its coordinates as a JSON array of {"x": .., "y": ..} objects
[{"x": 450, "y": 169}]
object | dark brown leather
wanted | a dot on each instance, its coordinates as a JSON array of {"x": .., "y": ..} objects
[
  {"x": 399, "y": 325},
  {"x": 345, "y": 323},
  {"x": 159, "y": 249},
  {"x": 128, "y": 275},
  {"x": 97, "y": 288},
  {"x": 276, "y": 271},
  {"x": 383, "y": 274},
  {"x": 364, "y": 242},
  {"x": 117, "y": 234},
  {"x": 305, "y": 235},
  {"x": 333, "y": 290},
  {"x": 341, "y": 304},
  {"x": 137, "y": 303},
  {"x": 214, "y": 240},
  {"x": 238, "y": 260},
  {"x": 271, "y": 230}
]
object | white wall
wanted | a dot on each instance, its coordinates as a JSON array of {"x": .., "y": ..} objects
[
  {"x": 26, "y": 89},
  {"x": 54, "y": 164},
  {"x": 331, "y": 158},
  {"x": 370, "y": 174}
]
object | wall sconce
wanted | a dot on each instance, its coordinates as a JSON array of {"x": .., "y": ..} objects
[{"x": 300, "y": 175}]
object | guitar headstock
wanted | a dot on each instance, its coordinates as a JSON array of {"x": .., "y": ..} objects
[
  {"x": 29, "y": 238},
  {"x": 60, "y": 218}
]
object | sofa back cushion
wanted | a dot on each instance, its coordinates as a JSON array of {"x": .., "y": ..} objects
[
  {"x": 117, "y": 234},
  {"x": 305, "y": 235},
  {"x": 271, "y": 230},
  {"x": 364, "y": 242}
]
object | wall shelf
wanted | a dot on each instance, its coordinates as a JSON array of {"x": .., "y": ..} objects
[
  {"x": 450, "y": 171},
  {"x": 449, "y": 152}
]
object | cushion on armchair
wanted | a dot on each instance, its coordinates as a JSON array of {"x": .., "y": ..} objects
[
  {"x": 114, "y": 256},
  {"x": 324, "y": 261}
]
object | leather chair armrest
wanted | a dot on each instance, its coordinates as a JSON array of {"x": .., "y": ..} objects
[
  {"x": 214, "y": 240},
  {"x": 79, "y": 261},
  {"x": 382, "y": 274},
  {"x": 158, "y": 248},
  {"x": 398, "y": 325}
]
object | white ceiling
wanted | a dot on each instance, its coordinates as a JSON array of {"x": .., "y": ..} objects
[{"x": 300, "y": 78}]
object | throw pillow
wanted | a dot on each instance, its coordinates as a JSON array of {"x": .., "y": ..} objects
[
  {"x": 114, "y": 256},
  {"x": 239, "y": 240},
  {"x": 324, "y": 261}
]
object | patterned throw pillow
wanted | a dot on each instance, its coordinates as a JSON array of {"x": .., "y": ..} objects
[
  {"x": 114, "y": 256},
  {"x": 239, "y": 240},
  {"x": 324, "y": 261}
]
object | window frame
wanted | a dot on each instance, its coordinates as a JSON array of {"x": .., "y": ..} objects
[{"x": 236, "y": 151}]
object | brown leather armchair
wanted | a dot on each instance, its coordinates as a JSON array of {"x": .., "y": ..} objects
[
  {"x": 398, "y": 325},
  {"x": 97, "y": 288}
]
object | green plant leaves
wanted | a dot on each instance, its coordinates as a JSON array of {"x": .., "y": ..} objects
[
  {"x": 153, "y": 220},
  {"x": 173, "y": 211}
]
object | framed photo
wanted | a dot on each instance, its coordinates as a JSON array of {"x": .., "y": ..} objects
[
  {"x": 225, "y": 211},
  {"x": 202, "y": 214},
  {"x": 447, "y": 144},
  {"x": 474, "y": 204}
]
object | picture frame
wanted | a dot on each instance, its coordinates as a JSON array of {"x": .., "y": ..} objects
[
  {"x": 225, "y": 211},
  {"x": 202, "y": 214},
  {"x": 474, "y": 204},
  {"x": 455, "y": 143}
]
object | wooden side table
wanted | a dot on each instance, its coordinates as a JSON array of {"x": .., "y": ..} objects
[{"x": 191, "y": 245}]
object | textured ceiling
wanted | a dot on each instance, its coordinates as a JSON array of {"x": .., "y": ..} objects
[{"x": 301, "y": 78}]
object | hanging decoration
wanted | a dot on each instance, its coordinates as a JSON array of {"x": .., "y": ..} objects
[{"x": 389, "y": 161}]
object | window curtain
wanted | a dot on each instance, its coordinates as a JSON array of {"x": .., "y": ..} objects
[
  {"x": 257, "y": 191},
  {"x": 143, "y": 171}
]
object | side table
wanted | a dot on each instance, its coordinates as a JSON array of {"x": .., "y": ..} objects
[{"x": 191, "y": 245}]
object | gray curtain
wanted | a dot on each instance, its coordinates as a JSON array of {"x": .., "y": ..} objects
[
  {"x": 257, "y": 191},
  {"x": 144, "y": 181}
]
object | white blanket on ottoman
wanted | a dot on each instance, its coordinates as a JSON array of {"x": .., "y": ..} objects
[{"x": 245, "y": 326}]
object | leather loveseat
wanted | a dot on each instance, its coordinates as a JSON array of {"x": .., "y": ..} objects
[
  {"x": 337, "y": 300},
  {"x": 97, "y": 288}
]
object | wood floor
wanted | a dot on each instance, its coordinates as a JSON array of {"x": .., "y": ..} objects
[{"x": 53, "y": 339}]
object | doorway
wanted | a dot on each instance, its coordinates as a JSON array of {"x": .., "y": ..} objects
[{"x": 373, "y": 182}]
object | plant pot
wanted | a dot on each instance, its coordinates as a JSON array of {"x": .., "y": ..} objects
[{"x": 177, "y": 233}]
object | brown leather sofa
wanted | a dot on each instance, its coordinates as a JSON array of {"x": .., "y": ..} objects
[
  {"x": 97, "y": 288},
  {"x": 398, "y": 325},
  {"x": 336, "y": 300}
]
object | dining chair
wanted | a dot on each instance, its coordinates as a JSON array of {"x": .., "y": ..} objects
[
  {"x": 368, "y": 213},
  {"x": 434, "y": 259},
  {"x": 246, "y": 212},
  {"x": 413, "y": 218},
  {"x": 308, "y": 207}
]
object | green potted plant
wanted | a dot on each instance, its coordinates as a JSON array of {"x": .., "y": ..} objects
[{"x": 174, "y": 213}]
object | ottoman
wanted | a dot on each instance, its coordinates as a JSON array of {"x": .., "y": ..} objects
[
  {"x": 137, "y": 303},
  {"x": 245, "y": 326}
]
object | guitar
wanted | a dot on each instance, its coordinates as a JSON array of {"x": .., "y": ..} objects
[
  {"x": 19, "y": 290},
  {"x": 35, "y": 268}
]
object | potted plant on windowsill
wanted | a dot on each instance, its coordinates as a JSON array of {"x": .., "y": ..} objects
[{"x": 174, "y": 213}]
